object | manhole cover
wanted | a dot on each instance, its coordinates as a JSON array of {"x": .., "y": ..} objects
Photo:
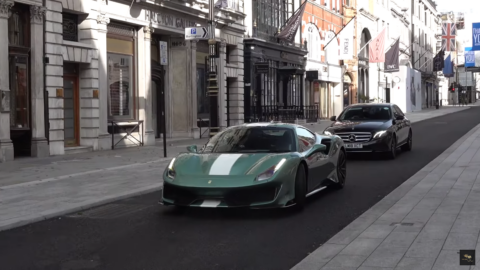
[{"x": 110, "y": 211}]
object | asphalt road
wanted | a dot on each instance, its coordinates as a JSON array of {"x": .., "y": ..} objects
[{"x": 139, "y": 234}]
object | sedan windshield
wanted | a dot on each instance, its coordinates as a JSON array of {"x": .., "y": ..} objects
[
  {"x": 366, "y": 113},
  {"x": 252, "y": 140}
]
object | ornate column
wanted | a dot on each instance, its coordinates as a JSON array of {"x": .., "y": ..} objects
[
  {"x": 222, "y": 84},
  {"x": 6, "y": 146},
  {"x": 149, "y": 134},
  {"x": 39, "y": 145},
  {"x": 104, "y": 139}
]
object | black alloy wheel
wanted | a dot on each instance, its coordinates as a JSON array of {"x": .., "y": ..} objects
[
  {"x": 300, "y": 188},
  {"x": 392, "y": 154},
  {"x": 341, "y": 170},
  {"x": 408, "y": 146}
]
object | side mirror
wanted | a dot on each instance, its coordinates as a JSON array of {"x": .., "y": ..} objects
[
  {"x": 316, "y": 149},
  {"x": 192, "y": 148},
  {"x": 400, "y": 117},
  {"x": 333, "y": 118}
]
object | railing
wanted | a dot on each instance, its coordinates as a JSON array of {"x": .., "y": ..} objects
[
  {"x": 203, "y": 123},
  {"x": 128, "y": 127},
  {"x": 284, "y": 113}
]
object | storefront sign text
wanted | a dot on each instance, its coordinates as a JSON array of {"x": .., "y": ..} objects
[{"x": 171, "y": 20}]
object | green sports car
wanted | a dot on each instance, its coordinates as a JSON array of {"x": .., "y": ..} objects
[{"x": 258, "y": 165}]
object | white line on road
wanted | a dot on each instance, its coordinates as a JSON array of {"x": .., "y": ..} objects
[{"x": 36, "y": 182}]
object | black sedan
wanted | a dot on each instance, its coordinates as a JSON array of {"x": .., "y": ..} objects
[{"x": 375, "y": 127}]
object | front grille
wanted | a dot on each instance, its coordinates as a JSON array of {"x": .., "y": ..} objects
[{"x": 359, "y": 136}]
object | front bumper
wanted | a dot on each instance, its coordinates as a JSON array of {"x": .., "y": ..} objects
[
  {"x": 373, "y": 146},
  {"x": 267, "y": 195}
]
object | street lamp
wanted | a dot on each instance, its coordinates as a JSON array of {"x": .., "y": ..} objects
[{"x": 212, "y": 89}]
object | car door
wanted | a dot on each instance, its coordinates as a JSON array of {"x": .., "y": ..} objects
[
  {"x": 402, "y": 129},
  {"x": 316, "y": 162}
]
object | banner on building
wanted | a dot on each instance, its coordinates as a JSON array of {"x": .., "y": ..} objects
[
  {"x": 476, "y": 37},
  {"x": 347, "y": 35},
  {"x": 377, "y": 48},
  {"x": 448, "y": 67},
  {"x": 469, "y": 57},
  {"x": 449, "y": 32},
  {"x": 290, "y": 29},
  {"x": 439, "y": 61},
  {"x": 392, "y": 58}
]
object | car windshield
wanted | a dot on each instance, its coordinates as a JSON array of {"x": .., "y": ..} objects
[
  {"x": 366, "y": 113},
  {"x": 256, "y": 139}
]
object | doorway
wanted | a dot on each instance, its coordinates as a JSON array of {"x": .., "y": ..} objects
[
  {"x": 387, "y": 95},
  {"x": 71, "y": 106},
  {"x": 158, "y": 99}
]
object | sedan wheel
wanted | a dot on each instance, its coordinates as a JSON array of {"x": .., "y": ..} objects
[
  {"x": 393, "y": 148},
  {"x": 341, "y": 170},
  {"x": 409, "y": 144},
  {"x": 300, "y": 188}
]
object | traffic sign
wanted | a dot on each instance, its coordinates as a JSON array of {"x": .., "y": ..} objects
[
  {"x": 196, "y": 33},
  {"x": 163, "y": 53}
]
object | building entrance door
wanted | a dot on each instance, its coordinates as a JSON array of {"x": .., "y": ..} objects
[{"x": 71, "y": 111}]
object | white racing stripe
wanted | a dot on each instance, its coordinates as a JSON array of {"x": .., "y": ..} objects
[
  {"x": 210, "y": 203},
  {"x": 224, "y": 164}
]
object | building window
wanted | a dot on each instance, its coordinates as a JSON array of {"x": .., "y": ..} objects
[
  {"x": 121, "y": 72},
  {"x": 270, "y": 16},
  {"x": 313, "y": 42},
  {"x": 70, "y": 27},
  {"x": 19, "y": 66}
]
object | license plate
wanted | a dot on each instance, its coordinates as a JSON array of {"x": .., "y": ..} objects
[{"x": 353, "y": 145}]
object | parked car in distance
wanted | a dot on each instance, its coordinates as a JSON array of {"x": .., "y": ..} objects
[
  {"x": 373, "y": 127},
  {"x": 257, "y": 165}
]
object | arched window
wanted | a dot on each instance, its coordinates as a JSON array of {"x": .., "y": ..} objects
[{"x": 313, "y": 42}]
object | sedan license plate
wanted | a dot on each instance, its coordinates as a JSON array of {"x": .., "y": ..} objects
[{"x": 353, "y": 145}]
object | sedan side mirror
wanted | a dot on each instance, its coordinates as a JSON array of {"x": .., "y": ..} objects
[
  {"x": 192, "y": 148},
  {"x": 333, "y": 118},
  {"x": 316, "y": 149},
  {"x": 400, "y": 117}
]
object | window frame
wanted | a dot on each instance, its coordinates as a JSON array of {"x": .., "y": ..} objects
[
  {"x": 134, "y": 92},
  {"x": 75, "y": 19}
]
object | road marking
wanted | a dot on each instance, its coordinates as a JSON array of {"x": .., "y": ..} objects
[
  {"x": 37, "y": 182},
  {"x": 224, "y": 164},
  {"x": 210, "y": 203}
]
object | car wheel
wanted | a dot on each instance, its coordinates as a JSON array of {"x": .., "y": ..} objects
[
  {"x": 409, "y": 144},
  {"x": 341, "y": 170},
  {"x": 392, "y": 154},
  {"x": 300, "y": 187}
]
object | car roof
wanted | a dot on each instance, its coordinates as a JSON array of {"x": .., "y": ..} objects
[{"x": 371, "y": 104}]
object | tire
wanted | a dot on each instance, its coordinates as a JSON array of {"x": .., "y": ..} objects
[
  {"x": 341, "y": 170},
  {"x": 409, "y": 144},
  {"x": 300, "y": 188},
  {"x": 393, "y": 148}
]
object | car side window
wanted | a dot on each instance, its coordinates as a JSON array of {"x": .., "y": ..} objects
[
  {"x": 398, "y": 110},
  {"x": 306, "y": 139}
]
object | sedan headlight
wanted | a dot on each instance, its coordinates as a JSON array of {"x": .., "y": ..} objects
[
  {"x": 328, "y": 133},
  {"x": 379, "y": 134},
  {"x": 270, "y": 171},
  {"x": 171, "y": 170}
]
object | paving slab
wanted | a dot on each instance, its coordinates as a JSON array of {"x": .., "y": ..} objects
[{"x": 434, "y": 215}]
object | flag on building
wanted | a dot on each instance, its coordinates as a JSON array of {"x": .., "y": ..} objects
[
  {"x": 448, "y": 67},
  {"x": 392, "y": 58},
  {"x": 475, "y": 36},
  {"x": 346, "y": 37},
  {"x": 449, "y": 32},
  {"x": 377, "y": 48},
  {"x": 290, "y": 29},
  {"x": 439, "y": 61}
]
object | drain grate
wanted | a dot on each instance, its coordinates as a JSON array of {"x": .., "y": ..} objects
[{"x": 110, "y": 211}]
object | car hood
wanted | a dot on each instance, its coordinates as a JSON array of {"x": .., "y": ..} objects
[
  {"x": 226, "y": 164},
  {"x": 365, "y": 126}
]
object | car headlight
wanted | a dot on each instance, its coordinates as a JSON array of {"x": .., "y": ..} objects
[
  {"x": 270, "y": 171},
  {"x": 328, "y": 133},
  {"x": 379, "y": 134},
  {"x": 171, "y": 170}
]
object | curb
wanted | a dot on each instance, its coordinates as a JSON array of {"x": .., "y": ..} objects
[
  {"x": 22, "y": 221},
  {"x": 323, "y": 254}
]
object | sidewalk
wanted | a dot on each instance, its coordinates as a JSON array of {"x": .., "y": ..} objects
[
  {"x": 423, "y": 224},
  {"x": 33, "y": 189}
]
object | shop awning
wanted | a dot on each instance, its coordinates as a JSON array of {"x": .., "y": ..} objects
[{"x": 289, "y": 70}]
